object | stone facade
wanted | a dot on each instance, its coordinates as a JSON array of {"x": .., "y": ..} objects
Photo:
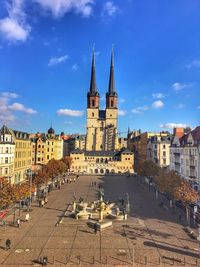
[
  {"x": 7, "y": 153},
  {"x": 158, "y": 149},
  {"x": 46, "y": 146},
  {"x": 101, "y": 154},
  {"x": 185, "y": 156},
  {"x": 98, "y": 162},
  {"x": 22, "y": 159}
]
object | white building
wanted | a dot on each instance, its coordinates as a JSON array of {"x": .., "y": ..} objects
[
  {"x": 185, "y": 156},
  {"x": 7, "y": 153},
  {"x": 158, "y": 149}
]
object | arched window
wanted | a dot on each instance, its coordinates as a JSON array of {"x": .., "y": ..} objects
[
  {"x": 93, "y": 103},
  {"x": 111, "y": 103},
  {"x": 92, "y": 114}
]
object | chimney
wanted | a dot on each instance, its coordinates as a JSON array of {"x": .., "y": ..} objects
[{"x": 179, "y": 132}]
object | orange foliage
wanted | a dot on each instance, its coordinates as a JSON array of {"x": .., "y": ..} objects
[{"x": 186, "y": 193}]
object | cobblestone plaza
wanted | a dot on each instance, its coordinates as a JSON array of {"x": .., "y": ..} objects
[{"x": 151, "y": 236}]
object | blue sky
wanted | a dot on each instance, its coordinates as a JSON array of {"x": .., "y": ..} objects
[{"x": 45, "y": 62}]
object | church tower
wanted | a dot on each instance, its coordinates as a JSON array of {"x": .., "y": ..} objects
[
  {"x": 92, "y": 109},
  {"x": 111, "y": 110},
  {"x": 101, "y": 124}
]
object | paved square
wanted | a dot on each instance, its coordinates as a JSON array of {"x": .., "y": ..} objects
[{"x": 149, "y": 234}]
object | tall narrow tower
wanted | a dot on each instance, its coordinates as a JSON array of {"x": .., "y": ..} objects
[
  {"x": 111, "y": 110},
  {"x": 92, "y": 109}
]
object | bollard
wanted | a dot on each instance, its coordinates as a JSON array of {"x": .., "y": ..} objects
[
  {"x": 79, "y": 259},
  {"x": 93, "y": 259},
  {"x": 145, "y": 260},
  {"x": 53, "y": 260},
  {"x": 159, "y": 261},
  {"x": 184, "y": 261}
]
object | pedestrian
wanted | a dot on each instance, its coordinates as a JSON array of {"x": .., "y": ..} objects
[
  {"x": 179, "y": 217},
  {"x": 42, "y": 203},
  {"x": 22, "y": 204},
  {"x": 8, "y": 244},
  {"x": 27, "y": 217},
  {"x": 18, "y": 222},
  {"x": 45, "y": 200},
  {"x": 95, "y": 228}
]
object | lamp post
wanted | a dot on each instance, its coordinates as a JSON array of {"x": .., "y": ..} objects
[{"x": 29, "y": 171}]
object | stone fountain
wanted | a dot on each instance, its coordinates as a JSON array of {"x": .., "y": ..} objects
[{"x": 100, "y": 212}]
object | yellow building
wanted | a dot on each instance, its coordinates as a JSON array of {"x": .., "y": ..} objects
[
  {"x": 22, "y": 160},
  {"x": 98, "y": 162},
  {"x": 46, "y": 147},
  {"x": 101, "y": 154}
]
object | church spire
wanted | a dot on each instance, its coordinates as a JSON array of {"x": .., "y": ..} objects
[
  {"x": 111, "y": 87},
  {"x": 93, "y": 95},
  {"x": 93, "y": 85}
]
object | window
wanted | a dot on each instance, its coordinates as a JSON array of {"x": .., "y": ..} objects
[
  {"x": 164, "y": 153},
  {"x": 6, "y": 160},
  {"x": 7, "y": 150},
  {"x": 164, "y": 146},
  {"x": 111, "y": 103},
  {"x": 92, "y": 114},
  {"x": 93, "y": 103}
]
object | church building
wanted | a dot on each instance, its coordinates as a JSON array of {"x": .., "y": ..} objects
[{"x": 101, "y": 154}]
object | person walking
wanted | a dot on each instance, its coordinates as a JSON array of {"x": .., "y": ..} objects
[
  {"x": 42, "y": 203},
  {"x": 27, "y": 217},
  {"x": 18, "y": 222},
  {"x": 8, "y": 244},
  {"x": 95, "y": 228},
  {"x": 179, "y": 217}
]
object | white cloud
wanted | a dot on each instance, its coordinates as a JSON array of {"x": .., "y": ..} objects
[
  {"x": 74, "y": 67},
  {"x": 194, "y": 64},
  {"x": 70, "y": 112},
  {"x": 7, "y": 110},
  {"x": 121, "y": 112},
  {"x": 68, "y": 122},
  {"x": 140, "y": 110},
  {"x": 20, "y": 107},
  {"x": 56, "y": 60},
  {"x": 179, "y": 86},
  {"x": 158, "y": 95},
  {"x": 14, "y": 27},
  {"x": 59, "y": 8},
  {"x": 109, "y": 9},
  {"x": 171, "y": 125},
  {"x": 198, "y": 107},
  {"x": 158, "y": 104},
  {"x": 9, "y": 95}
]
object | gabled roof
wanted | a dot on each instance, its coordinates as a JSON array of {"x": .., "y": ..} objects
[
  {"x": 195, "y": 134},
  {"x": 5, "y": 130}
]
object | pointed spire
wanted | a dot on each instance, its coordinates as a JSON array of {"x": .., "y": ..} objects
[
  {"x": 111, "y": 87},
  {"x": 93, "y": 85}
]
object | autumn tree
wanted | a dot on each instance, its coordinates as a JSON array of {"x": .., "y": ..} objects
[
  {"x": 148, "y": 168},
  {"x": 67, "y": 161},
  {"x": 6, "y": 192},
  {"x": 167, "y": 182},
  {"x": 187, "y": 195}
]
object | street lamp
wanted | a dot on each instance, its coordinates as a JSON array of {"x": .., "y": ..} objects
[{"x": 29, "y": 172}]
